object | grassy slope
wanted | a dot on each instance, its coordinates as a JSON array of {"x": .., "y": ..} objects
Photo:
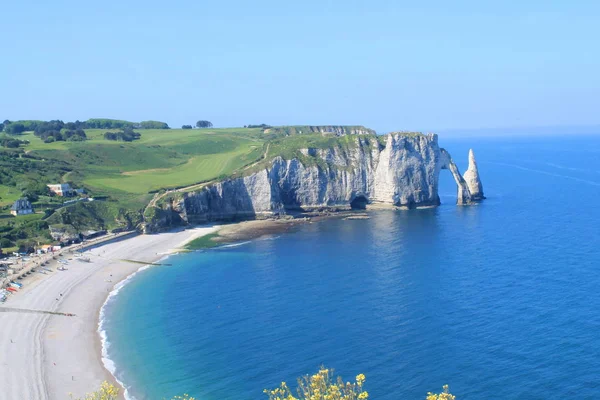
[
  {"x": 127, "y": 173},
  {"x": 161, "y": 159},
  {"x": 8, "y": 195}
]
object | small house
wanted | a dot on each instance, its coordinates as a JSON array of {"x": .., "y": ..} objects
[
  {"x": 21, "y": 207},
  {"x": 61, "y": 189},
  {"x": 46, "y": 248}
]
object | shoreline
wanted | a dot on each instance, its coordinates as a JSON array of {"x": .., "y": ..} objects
[{"x": 52, "y": 356}]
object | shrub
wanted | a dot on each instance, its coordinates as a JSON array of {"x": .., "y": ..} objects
[
  {"x": 111, "y": 392},
  {"x": 445, "y": 395},
  {"x": 107, "y": 391},
  {"x": 321, "y": 386}
]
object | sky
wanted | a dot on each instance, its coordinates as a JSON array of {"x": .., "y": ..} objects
[{"x": 388, "y": 65}]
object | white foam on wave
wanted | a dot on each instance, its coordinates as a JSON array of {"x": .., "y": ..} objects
[
  {"x": 586, "y": 181},
  {"x": 228, "y": 246},
  {"x": 106, "y": 361}
]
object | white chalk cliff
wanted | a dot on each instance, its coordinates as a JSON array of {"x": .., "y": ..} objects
[
  {"x": 472, "y": 178},
  {"x": 403, "y": 172}
]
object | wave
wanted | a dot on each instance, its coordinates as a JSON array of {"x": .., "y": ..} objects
[
  {"x": 228, "y": 246},
  {"x": 539, "y": 171},
  {"x": 108, "y": 363},
  {"x": 571, "y": 168}
]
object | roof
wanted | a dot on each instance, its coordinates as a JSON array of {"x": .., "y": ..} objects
[
  {"x": 60, "y": 185},
  {"x": 21, "y": 204}
]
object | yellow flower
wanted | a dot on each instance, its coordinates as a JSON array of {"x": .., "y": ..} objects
[{"x": 360, "y": 378}]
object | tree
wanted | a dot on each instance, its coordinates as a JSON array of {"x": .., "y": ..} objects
[
  {"x": 153, "y": 125},
  {"x": 15, "y": 128},
  {"x": 126, "y": 135},
  {"x": 11, "y": 143},
  {"x": 204, "y": 124},
  {"x": 77, "y": 135},
  {"x": 1, "y": 127},
  {"x": 186, "y": 127}
]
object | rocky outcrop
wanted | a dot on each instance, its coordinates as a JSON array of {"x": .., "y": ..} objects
[
  {"x": 463, "y": 195},
  {"x": 403, "y": 172},
  {"x": 472, "y": 179}
]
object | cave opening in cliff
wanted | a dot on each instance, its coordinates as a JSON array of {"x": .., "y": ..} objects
[{"x": 359, "y": 203}]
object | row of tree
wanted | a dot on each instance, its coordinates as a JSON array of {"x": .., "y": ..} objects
[
  {"x": 16, "y": 127},
  {"x": 50, "y": 136},
  {"x": 199, "y": 124},
  {"x": 126, "y": 135},
  {"x": 11, "y": 143}
]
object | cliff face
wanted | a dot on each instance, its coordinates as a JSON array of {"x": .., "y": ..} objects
[
  {"x": 325, "y": 130},
  {"x": 403, "y": 172}
]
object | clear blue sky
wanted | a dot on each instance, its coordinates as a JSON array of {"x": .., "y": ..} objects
[{"x": 385, "y": 64}]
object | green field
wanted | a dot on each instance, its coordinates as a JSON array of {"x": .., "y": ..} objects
[
  {"x": 123, "y": 177},
  {"x": 161, "y": 159},
  {"x": 8, "y": 195}
]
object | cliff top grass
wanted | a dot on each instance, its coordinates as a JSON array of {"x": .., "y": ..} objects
[
  {"x": 407, "y": 133},
  {"x": 291, "y": 130},
  {"x": 161, "y": 159},
  {"x": 123, "y": 176}
]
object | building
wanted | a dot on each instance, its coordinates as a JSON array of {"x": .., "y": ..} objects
[
  {"x": 61, "y": 189},
  {"x": 21, "y": 207}
]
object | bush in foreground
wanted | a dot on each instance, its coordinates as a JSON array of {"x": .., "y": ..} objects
[
  {"x": 320, "y": 386},
  {"x": 109, "y": 391},
  {"x": 445, "y": 395}
]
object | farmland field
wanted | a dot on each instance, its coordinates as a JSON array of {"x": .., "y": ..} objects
[{"x": 161, "y": 159}]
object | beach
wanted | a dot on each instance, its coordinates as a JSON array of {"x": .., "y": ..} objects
[{"x": 50, "y": 357}]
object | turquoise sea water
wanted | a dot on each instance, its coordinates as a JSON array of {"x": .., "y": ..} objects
[{"x": 499, "y": 300}]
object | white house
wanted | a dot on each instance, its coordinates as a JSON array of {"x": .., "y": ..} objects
[{"x": 61, "y": 189}]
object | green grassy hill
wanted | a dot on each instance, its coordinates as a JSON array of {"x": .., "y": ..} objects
[
  {"x": 123, "y": 177},
  {"x": 161, "y": 159}
]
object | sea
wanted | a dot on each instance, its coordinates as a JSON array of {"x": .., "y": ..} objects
[{"x": 497, "y": 300}]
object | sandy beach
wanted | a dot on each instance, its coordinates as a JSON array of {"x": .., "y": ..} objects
[{"x": 46, "y": 357}]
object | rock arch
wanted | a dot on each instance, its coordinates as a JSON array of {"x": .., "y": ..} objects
[{"x": 469, "y": 188}]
